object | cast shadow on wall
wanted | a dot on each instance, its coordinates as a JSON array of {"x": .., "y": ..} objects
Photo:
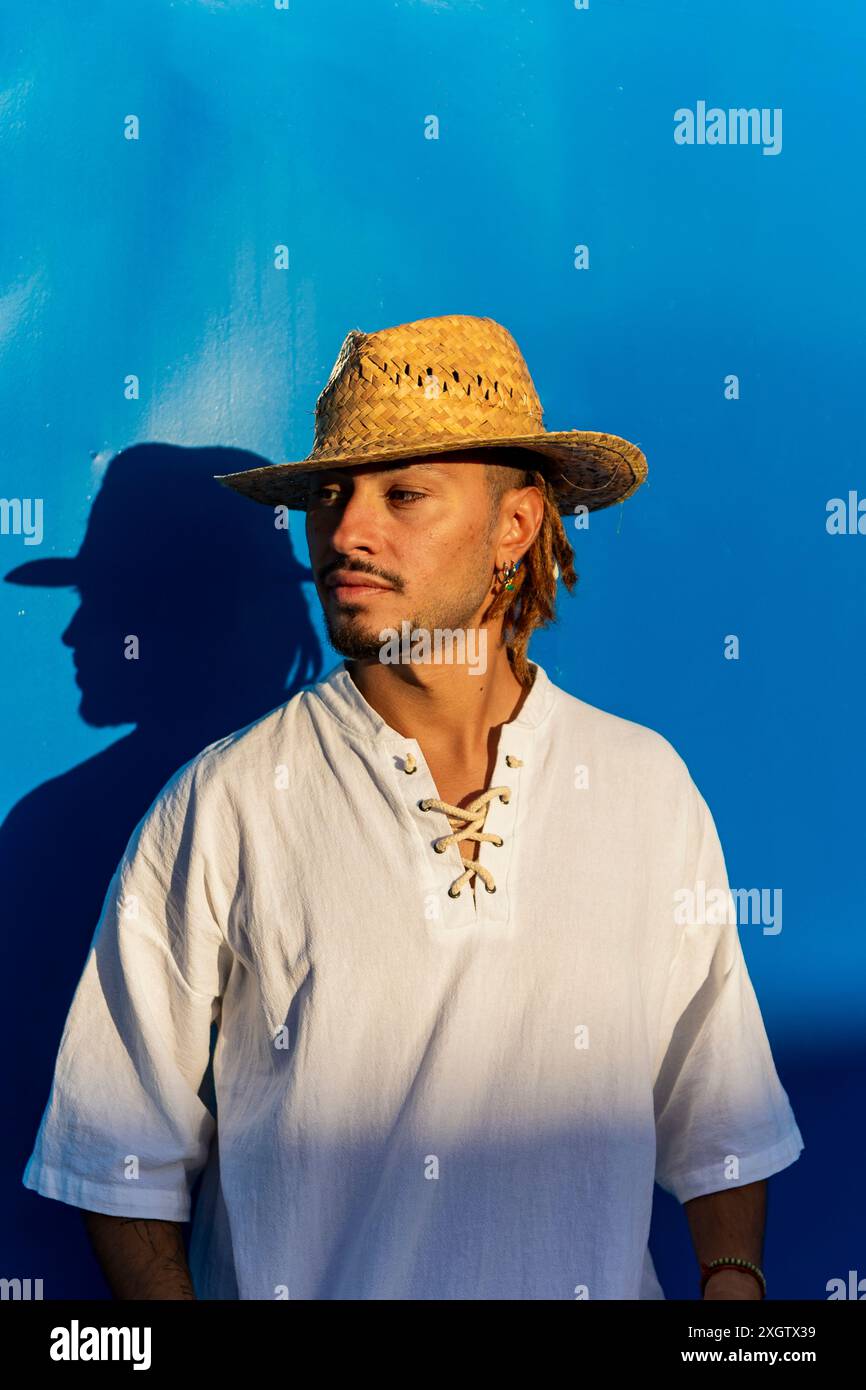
[{"x": 192, "y": 623}]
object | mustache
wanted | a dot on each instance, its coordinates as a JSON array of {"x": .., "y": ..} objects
[{"x": 361, "y": 569}]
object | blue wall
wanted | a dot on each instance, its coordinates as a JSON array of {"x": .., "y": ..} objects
[{"x": 305, "y": 127}]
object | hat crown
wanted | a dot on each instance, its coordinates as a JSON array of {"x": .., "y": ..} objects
[{"x": 441, "y": 379}]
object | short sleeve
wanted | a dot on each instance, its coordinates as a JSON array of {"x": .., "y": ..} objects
[
  {"x": 124, "y": 1130},
  {"x": 722, "y": 1116}
]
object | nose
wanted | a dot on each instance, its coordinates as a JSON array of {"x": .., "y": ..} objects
[{"x": 350, "y": 526}]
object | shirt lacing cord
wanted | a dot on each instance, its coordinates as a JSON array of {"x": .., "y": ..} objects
[{"x": 471, "y": 819}]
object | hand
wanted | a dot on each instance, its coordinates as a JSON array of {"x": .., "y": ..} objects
[{"x": 732, "y": 1284}]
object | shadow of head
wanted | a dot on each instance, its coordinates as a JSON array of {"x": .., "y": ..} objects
[{"x": 190, "y": 597}]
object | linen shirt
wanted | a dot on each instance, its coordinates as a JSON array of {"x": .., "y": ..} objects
[{"x": 417, "y": 1096}]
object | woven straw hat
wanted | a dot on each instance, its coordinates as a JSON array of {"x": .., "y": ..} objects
[{"x": 438, "y": 385}]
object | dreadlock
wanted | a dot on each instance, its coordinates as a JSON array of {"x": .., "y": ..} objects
[{"x": 531, "y": 603}]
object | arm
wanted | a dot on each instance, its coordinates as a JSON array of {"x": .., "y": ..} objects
[
  {"x": 724, "y": 1123},
  {"x": 127, "y": 1130},
  {"x": 730, "y": 1222},
  {"x": 140, "y": 1258}
]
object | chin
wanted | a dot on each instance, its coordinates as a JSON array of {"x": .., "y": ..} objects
[{"x": 357, "y": 640}]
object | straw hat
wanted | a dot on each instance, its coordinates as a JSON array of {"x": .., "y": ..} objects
[{"x": 438, "y": 385}]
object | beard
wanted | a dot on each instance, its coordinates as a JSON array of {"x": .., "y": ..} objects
[{"x": 356, "y": 636}]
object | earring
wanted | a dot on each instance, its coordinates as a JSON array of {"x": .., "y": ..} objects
[{"x": 508, "y": 572}]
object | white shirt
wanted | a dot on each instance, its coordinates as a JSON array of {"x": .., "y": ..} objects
[{"x": 418, "y": 1096}]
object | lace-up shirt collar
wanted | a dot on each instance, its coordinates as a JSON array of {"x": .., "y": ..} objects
[{"x": 491, "y": 819}]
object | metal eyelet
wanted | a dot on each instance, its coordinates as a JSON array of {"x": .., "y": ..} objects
[
  {"x": 454, "y": 895},
  {"x": 438, "y": 848},
  {"x": 424, "y": 805},
  {"x": 491, "y": 890}
]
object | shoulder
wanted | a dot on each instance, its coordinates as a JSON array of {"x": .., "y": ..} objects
[
  {"x": 619, "y": 743},
  {"x": 239, "y": 764},
  {"x": 628, "y": 765}
]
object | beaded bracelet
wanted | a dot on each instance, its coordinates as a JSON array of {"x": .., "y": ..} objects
[{"x": 732, "y": 1262}]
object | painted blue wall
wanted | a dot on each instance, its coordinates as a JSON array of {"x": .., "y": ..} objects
[{"x": 305, "y": 127}]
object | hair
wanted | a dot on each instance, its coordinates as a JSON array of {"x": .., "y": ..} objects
[{"x": 532, "y": 602}]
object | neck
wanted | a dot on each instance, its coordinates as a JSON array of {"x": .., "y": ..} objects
[{"x": 442, "y": 706}]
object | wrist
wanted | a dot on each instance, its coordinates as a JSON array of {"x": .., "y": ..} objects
[
  {"x": 734, "y": 1264},
  {"x": 731, "y": 1283}
]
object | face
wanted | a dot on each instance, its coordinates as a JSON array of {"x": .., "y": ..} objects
[{"x": 418, "y": 533}]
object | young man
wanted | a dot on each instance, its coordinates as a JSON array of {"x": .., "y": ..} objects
[{"x": 436, "y": 908}]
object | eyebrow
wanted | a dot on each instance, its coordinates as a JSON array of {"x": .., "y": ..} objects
[{"x": 398, "y": 467}]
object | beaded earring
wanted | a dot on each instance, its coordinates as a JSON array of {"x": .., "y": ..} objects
[{"x": 508, "y": 572}]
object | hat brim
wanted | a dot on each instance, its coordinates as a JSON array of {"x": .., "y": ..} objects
[
  {"x": 589, "y": 468},
  {"x": 57, "y": 571}
]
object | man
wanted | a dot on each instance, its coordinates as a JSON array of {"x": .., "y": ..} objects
[{"x": 464, "y": 1020}]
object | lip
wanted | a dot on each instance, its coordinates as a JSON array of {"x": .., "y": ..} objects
[
  {"x": 352, "y": 592},
  {"x": 344, "y": 584}
]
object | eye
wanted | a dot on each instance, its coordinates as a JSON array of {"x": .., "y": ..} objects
[
  {"x": 324, "y": 492},
  {"x": 327, "y": 494},
  {"x": 406, "y": 493}
]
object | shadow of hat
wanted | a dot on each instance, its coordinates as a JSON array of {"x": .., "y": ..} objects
[{"x": 160, "y": 508}]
